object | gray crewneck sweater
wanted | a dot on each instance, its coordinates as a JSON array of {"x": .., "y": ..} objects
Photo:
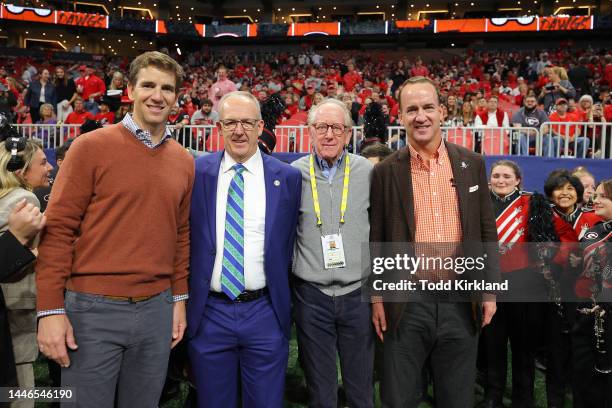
[{"x": 308, "y": 255}]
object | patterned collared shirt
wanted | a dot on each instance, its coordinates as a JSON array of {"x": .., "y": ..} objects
[
  {"x": 144, "y": 135},
  {"x": 436, "y": 207}
]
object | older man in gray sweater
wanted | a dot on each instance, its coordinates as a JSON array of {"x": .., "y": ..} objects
[{"x": 333, "y": 225}]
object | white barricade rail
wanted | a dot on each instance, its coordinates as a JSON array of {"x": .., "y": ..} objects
[
  {"x": 51, "y": 136},
  {"x": 590, "y": 140},
  {"x": 576, "y": 139}
]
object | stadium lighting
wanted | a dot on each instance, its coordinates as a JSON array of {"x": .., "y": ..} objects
[
  {"x": 177, "y": 6},
  {"x": 452, "y": 44},
  {"x": 131, "y": 34},
  {"x": 150, "y": 42},
  {"x": 178, "y": 50},
  {"x": 319, "y": 8},
  {"x": 119, "y": 40},
  {"x": 292, "y": 8},
  {"x": 334, "y": 7},
  {"x": 78, "y": 36},
  {"x": 412, "y": 6},
  {"x": 192, "y": 9},
  {"x": 27, "y": 32},
  {"x": 244, "y": 10},
  {"x": 393, "y": 6},
  {"x": 258, "y": 10},
  {"x": 61, "y": 35},
  {"x": 278, "y": 9},
  {"x": 44, "y": 33}
]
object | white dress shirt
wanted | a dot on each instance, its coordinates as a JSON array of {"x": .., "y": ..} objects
[{"x": 254, "y": 220}]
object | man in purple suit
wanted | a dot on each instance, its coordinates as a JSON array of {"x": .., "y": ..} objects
[{"x": 244, "y": 214}]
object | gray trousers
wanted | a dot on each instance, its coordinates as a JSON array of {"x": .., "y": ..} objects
[
  {"x": 443, "y": 332},
  {"x": 122, "y": 347}
]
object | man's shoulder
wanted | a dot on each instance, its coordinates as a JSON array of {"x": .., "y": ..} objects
[
  {"x": 360, "y": 163},
  {"x": 281, "y": 166},
  {"x": 302, "y": 164}
]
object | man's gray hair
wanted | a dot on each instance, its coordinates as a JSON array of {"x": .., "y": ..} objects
[
  {"x": 235, "y": 94},
  {"x": 312, "y": 114}
]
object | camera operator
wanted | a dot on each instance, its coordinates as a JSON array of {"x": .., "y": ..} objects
[{"x": 558, "y": 86}]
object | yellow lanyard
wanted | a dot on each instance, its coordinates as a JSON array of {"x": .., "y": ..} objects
[{"x": 315, "y": 193}]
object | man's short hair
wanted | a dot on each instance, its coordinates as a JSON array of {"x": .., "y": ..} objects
[
  {"x": 377, "y": 150},
  {"x": 158, "y": 60},
  {"x": 207, "y": 102},
  {"x": 236, "y": 94},
  {"x": 417, "y": 80},
  {"x": 493, "y": 97},
  {"x": 312, "y": 113}
]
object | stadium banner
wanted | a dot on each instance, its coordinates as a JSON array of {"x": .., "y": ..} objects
[
  {"x": 470, "y": 25},
  {"x": 566, "y": 23},
  {"x": 37, "y": 15},
  {"x": 411, "y": 26},
  {"x": 304, "y": 29},
  {"x": 226, "y": 30},
  {"x": 81, "y": 19},
  {"x": 364, "y": 28},
  {"x": 160, "y": 27},
  {"x": 526, "y": 23},
  {"x": 514, "y": 24},
  {"x": 181, "y": 28},
  {"x": 133, "y": 25},
  {"x": 272, "y": 30}
]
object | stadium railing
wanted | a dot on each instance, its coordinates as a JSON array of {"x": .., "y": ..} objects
[{"x": 590, "y": 139}]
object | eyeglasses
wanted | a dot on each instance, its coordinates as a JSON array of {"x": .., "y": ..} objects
[
  {"x": 247, "y": 124},
  {"x": 322, "y": 128},
  {"x": 599, "y": 196}
]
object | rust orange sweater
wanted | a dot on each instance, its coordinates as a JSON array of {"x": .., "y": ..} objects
[{"x": 117, "y": 220}]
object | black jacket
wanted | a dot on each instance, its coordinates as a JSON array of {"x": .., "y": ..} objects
[{"x": 13, "y": 258}]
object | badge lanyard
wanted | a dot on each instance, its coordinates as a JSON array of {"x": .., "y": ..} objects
[{"x": 315, "y": 192}]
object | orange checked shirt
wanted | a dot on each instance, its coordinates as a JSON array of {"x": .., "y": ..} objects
[{"x": 436, "y": 207}]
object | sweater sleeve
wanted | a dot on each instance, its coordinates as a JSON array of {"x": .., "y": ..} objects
[
  {"x": 181, "y": 259},
  {"x": 72, "y": 192}
]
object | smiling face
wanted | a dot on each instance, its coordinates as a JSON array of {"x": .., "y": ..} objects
[
  {"x": 37, "y": 174},
  {"x": 240, "y": 143},
  {"x": 329, "y": 145},
  {"x": 503, "y": 180},
  {"x": 154, "y": 94},
  {"x": 565, "y": 198},
  {"x": 602, "y": 204},
  {"x": 421, "y": 114}
]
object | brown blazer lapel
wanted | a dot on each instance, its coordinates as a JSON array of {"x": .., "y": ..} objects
[
  {"x": 403, "y": 184},
  {"x": 460, "y": 167}
]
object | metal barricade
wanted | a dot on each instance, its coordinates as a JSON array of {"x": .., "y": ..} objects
[
  {"x": 50, "y": 136},
  {"x": 553, "y": 139},
  {"x": 576, "y": 139}
]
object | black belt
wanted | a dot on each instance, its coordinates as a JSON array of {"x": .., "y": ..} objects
[{"x": 246, "y": 296}]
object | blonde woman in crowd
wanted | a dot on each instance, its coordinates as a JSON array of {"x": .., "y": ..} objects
[{"x": 19, "y": 175}]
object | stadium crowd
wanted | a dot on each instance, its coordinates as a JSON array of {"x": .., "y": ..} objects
[{"x": 569, "y": 85}]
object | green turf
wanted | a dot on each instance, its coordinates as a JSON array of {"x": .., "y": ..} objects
[{"x": 294, "y": 374}]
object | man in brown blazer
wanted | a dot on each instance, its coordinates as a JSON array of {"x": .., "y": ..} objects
[{"x": 431, "y": 191}]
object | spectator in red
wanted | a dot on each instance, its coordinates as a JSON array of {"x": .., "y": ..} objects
[
  {"x": 419, "y": 69},
  {"x": 585, "y": 106},
  {"x": 492, "y": 116},
  {"x": 291, "y": 106},
  {"x": 90, "y": 87},
  {"x": 307, "y": 100},
  {"x": 105, "y": 116},
  {"x": 608, "y": 70},
  {"x": 79, "y": 115},
  {"x": 187, "y": 105},
  {"x": 566, "y": 135},
  {"x": 351, "y": 78}
]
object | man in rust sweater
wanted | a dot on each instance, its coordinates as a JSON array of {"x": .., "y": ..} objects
[{"x": 113, "y": 263}]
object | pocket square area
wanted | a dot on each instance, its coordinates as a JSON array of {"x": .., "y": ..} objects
[{"x": 474, "y": 188}]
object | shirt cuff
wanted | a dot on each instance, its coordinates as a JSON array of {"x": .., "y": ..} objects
[
  {"x": 179, "y": 298},
  {"x": 44, "y": 313}
]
